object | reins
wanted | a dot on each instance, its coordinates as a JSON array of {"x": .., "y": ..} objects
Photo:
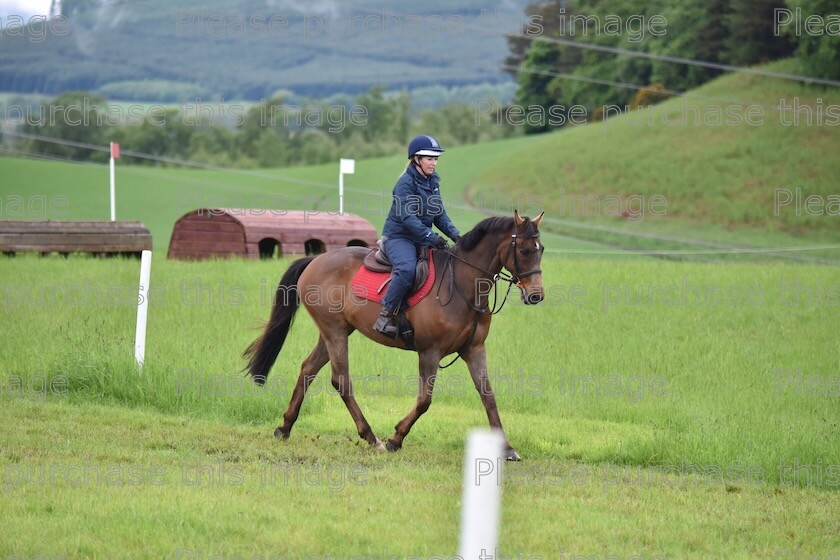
[{"x": 512, "y": 280}]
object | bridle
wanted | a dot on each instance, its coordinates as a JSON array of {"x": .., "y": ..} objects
[
  {"x": 517, "y": 276},
  {"x": 514, "y": 279}
]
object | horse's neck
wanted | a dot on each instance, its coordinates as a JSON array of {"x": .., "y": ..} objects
[
  {"x": 484, "y": 259},
  {"x": 484, "y": 264}
]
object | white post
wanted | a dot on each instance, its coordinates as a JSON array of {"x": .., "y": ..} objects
[
  {"x": 142, "y": 308},
  {"x": 113, "y": 205},
  {"x": 480, "y": 505},
  {"x": 344, "y": 166},
  {"x": 341, "y": 194}
]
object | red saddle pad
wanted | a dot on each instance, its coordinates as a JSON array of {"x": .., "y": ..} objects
[{"x": 371, "y": 285}]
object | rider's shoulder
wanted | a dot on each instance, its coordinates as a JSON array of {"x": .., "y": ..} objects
[{"x": 406, "y": 180}]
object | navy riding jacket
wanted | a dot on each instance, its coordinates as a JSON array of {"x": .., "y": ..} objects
[{"x": 416, "y": 207}]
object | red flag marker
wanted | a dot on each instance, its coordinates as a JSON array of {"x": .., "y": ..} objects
[{"x": 115, "y": 150}]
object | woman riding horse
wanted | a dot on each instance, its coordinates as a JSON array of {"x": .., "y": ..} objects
[
  {"x": 416, "y": 207},
  {"x": 456, "y": 320}
]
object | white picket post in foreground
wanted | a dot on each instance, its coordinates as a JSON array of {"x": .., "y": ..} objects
[
  {"x": 115, "y": 153},
  {"x": 142, "y": 308},
  {"x": 481, "y": 502}
]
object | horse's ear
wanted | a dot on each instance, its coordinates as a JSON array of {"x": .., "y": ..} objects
[
  {"x": 536, "y": 220},
  {"x": 518, "y": 219}
]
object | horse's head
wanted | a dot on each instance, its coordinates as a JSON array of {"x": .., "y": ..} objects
[{"x": 522, "y": 256}]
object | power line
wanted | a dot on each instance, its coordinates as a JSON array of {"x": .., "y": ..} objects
[
  {"x": 717, "y": 249},
  {"x": 597, "y": 80},
  {"x": 681, "y": 60},
  {"x": 625, "y": 85},
  {"x": 161, "y": 174},
  {"x": 651, "y": 56},
  {"x": 132, "y": 171},
  {"x": 185, "y": 163}
]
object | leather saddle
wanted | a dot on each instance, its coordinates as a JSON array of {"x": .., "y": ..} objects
[{"x": 377, "y": 261}]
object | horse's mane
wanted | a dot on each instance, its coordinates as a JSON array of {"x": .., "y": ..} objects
[{"x": 472, "y": 238}]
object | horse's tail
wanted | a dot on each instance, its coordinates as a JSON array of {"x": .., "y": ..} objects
[{"x": 263, "y": 351}]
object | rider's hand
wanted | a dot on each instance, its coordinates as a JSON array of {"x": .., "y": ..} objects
[{"x": 441, "y": 243}]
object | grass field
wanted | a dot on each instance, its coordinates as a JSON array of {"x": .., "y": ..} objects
[
  {"x": 663, "y": 409},
  {"x": 702, "y": 424}
]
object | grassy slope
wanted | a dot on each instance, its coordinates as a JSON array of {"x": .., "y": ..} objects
[{"x": 719, "y": 181}]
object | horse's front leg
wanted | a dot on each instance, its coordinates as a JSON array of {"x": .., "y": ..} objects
[
  {"x": 429, "y": 362},
  {"x": 476, "y": 358}
]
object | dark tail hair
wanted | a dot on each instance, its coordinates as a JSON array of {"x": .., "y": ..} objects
[{"x": 264, "y": 350}]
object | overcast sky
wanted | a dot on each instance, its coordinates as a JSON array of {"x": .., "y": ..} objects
[{"x": 23, "y": 8}]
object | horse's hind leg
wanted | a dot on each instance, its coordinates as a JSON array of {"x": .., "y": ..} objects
[
  {"x": 337, "y": 348},
  {"x": 308, "y": 370}
]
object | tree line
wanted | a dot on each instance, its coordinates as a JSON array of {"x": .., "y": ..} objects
[
  {"x": 271, "y": 133},
  {"x": 552, "y": 73}
]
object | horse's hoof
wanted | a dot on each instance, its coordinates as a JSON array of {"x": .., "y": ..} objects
[
  {"x": 391, "y": 447},
  {"x": 377, "y": 445},
  {"x": 512, "y": 455},
  {"x": 278, "y": 433}
]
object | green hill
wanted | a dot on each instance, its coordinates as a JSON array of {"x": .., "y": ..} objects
[{"x": 731, "y": 162}]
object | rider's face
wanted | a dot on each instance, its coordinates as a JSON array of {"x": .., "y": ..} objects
[{"x": 427, "y": 164}]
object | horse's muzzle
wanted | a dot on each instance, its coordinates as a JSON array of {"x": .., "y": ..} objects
[{"x": 532, "y": 298}]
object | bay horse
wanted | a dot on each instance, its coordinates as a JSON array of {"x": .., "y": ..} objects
[{"x": 456, "y": 320}]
